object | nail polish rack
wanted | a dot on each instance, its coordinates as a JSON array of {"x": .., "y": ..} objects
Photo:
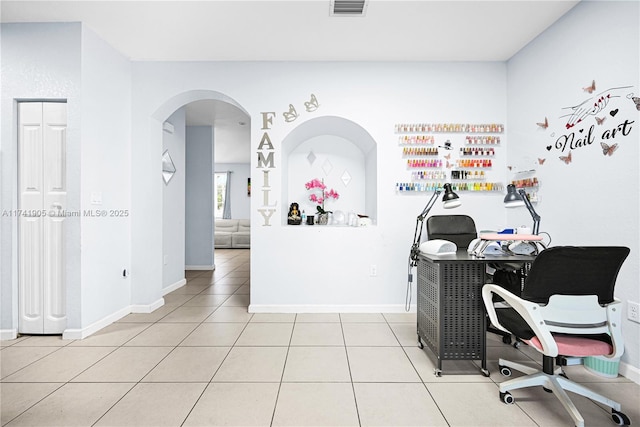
[{"x": 429, "y": 171}]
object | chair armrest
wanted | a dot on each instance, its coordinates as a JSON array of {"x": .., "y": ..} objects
[
  {"x": 614, "y": 318},
  {"x": 528, "y": 310}
]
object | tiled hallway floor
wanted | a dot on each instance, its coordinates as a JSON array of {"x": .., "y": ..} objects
[{"x": 203, "y": 360}]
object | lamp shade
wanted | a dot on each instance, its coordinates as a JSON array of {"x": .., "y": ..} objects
[
  {"x": 512, "y": 199},
  {"x": 450, "y": 199}
]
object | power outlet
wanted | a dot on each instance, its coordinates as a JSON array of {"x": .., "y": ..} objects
[
  {"x": 633, "y": 311},
  {"x": 373, "y": 270}
]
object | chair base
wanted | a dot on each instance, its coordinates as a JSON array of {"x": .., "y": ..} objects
[{"x": 556, "y": 383}]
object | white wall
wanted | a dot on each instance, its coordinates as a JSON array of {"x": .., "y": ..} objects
[
  {"x": 173, "y": 205},
  {"x": 199, "y": 197},
  {"x": 106, "y": 170},
  {"x": 328, "y": 269},
  {"x": 69, "y": 62},
  {"x": 594, "y": 199},
  {"x": 240, "y": 201},
  {"x": 39, "y": 62}
]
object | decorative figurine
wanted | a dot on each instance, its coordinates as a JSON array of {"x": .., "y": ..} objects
[{"x": 294, "y": 217}]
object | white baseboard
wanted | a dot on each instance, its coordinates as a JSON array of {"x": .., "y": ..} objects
[
  {"x": 313, "y": 308},
  {"x": 147, "y": 308},
  {"x": 8, "y": 334},
  {"x": 173, "y": 287},
  {"x": 630, "y": 372},
  {"x": 78, "y": 334},
  {"x": 200, "y": 267}
]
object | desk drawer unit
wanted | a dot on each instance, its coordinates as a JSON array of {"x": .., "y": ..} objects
[{"x": 451, "y": 317}]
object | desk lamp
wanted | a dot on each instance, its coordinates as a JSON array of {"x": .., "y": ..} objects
[
  {"x": 449, "y": 199},
  {"x": 515, "y": 198}
]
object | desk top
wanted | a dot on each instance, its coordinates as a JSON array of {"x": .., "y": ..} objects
[
  {"x": 511, "y": 237},
  {"x": 463, "y": 256}
]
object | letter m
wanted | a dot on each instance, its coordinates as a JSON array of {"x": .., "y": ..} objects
[{"x": 266, "y": 163}]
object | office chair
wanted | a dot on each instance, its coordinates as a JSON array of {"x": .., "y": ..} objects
[
  {"x": 567, "y": 308},
  {"x": 461, "y": 230}
]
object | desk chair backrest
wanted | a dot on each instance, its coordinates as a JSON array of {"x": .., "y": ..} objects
[
  {"x": 459, "y": 229},
  {"x": 570, "y": 270}
]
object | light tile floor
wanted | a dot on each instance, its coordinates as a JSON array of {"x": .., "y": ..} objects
[{"x": 203, "y": 360}]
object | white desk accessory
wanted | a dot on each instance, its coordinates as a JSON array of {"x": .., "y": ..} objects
[{"x": 438, "y": 247}]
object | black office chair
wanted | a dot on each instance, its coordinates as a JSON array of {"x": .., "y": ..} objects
[
  {"x": 461, "y": 230},
  {"x": 567, "y": 308}
]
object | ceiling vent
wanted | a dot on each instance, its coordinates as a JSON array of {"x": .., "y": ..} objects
[{"x": 348, "y": 7}]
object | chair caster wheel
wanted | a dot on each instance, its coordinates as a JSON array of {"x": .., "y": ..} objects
[
  {"x": 485, "y": 372},
  {"x": 505, "y": 371},
  {"x": 506, "y": 339},
  {"x": 619, "y": 418},
  {"x": 420, "y": 343},
  {"x": 507, "y": 398},
  {"x": 437, "y": 372},
  {"x": 516, "y": 344}
]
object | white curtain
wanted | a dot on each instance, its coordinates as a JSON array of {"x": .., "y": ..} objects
[{"x": 226, "y": 210}]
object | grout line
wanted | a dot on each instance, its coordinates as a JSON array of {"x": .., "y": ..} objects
[{"x": 353, "y": 387}]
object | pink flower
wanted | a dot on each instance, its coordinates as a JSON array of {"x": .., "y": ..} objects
[
  {"x": 323, "y": 196},
  {"x": 315, "y": 183}
]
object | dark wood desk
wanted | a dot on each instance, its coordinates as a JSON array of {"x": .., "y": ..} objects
[{"x": 451, "y": 316}]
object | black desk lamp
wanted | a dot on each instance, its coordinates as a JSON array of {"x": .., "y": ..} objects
[
  {"x": 450, "y": 200},
  {"x": 515, "y": 198}
]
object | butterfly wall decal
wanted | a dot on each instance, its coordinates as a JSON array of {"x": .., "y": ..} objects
[
  {"x": 312, "y": 105},
  {"x": 541, "y": 161},
  {"x": 449, "y": 165},
  {"x": 608, "y": 150},
  {"x": 290, "y": 115},
  {"x": 600, "y": 120},
  {"x": 590, "y": 88},
  {"x": 544, "y": 124},
  {"x": 636, "y": 100},
  {"x": 566, "y": 159},
  {"x": 448, "y": 156}
]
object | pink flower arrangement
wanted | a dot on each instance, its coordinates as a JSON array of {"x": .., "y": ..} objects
[{"x": 317, "y": 184}]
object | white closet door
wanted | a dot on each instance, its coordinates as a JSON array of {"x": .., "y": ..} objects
[{"x": 43, "y": 191}]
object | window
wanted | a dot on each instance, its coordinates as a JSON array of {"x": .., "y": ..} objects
[{"x": 219, "y": 185}]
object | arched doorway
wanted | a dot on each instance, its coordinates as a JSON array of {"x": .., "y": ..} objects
[{"x": 195, "y": 127}]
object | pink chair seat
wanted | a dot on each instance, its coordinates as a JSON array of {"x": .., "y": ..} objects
[{"x": 576, "y": 346}]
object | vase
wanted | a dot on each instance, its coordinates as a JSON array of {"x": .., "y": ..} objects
[{"x": 323, "y": 219}]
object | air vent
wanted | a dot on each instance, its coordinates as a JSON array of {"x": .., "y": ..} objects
[{"x": 348, "y": 7}]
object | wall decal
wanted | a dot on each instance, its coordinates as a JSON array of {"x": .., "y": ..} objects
[
  {"x": 590, "y": 107},
  {"x": 605, "y": 107},
  {"x": 566, "y": 159},
  {"x": 290, "y": 115},
  {"x": 312, "y": 105},
  {"x": 590, "y": 88},
  {"x": 544, "y": 124},
  {"x": 541, "y": 161},
  {"x": 168, "y": 167},
  {"x": 608, "y": 150},
  {"x": 266, "y": 163},
  {"x": 266, "y": 152}
]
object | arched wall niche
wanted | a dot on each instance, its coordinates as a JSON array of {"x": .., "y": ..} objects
[{"x": 340, "y": 152}]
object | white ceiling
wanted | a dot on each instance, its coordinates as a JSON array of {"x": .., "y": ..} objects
[{"x": 298, "y": 30}]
